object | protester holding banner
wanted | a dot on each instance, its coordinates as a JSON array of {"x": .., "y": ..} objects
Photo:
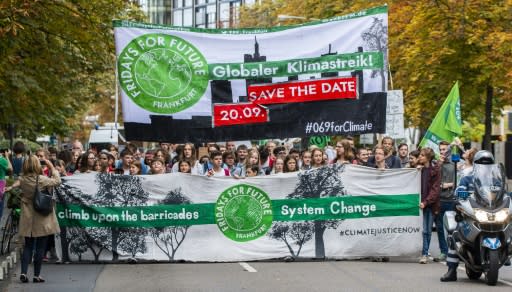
[
  {"x": 413, "y": 159},
  {"x": 291, "y": 164},
  {"x": 107, "y": 158},
  {"x": 228, "y": 159},
  {"x": 295, "y": 153},
  {"x": 306, "y": 160},
  {"x": 216, "y": 165},
  {"x": 252, "y": 170},
  {"x": 430, "y": 204},
  {"x": 344, "y": 153},
  {"x": 403, "y": 154},
  {"x": 392, "y": 161},
  {"x": 161, "y": 154},
  {"x": 379, "y": 157},
  {"x": 318, "y": 159},
  {"x": 157, "y": 166},
  {"x": 126, "y": 161},
  {"x": 278, "y": 166},
  {"x": 447, "y": 196},
  {"x": 136, "y": 168},
  {"x": 190, "y": 153},
  {"x": 362, "y": 157},
  {"x": 184, "y": 166}
]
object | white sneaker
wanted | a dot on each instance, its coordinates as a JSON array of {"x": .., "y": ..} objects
[{"x": 423, "y": 259}]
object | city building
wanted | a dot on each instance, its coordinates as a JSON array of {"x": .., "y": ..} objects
[{"x": 194, "y": 13}]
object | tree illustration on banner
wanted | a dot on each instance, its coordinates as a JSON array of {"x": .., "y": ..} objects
[
  {"x": 72, "y": 239},
  {"x": 292, "y": 233},
  {"x": 169, "y": 239},
  {"x": 376, "y": 39},
  {"x": 78, "y": 242},
  {"x": 316, "y": 183},
  {"x": 134, "y": 242},
  {"x": 121, "y": 190},
  {"x": 95, "y": 239}
]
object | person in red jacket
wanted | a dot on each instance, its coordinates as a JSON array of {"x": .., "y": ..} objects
[{"x": 430, "y": 188}]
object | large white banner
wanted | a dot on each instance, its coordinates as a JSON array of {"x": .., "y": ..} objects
[
  {"x": 228, "y": 80},
  {"x": 333, "y": 212}
]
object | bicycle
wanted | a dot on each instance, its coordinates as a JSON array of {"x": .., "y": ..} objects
[{"x": 10, "y": 228}]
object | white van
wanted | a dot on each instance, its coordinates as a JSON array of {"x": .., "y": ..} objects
[{"x": 104, "y": 135}]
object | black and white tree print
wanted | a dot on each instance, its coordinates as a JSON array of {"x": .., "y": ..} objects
[
  {"x": 316, "y": 183},
  {"x": 376, "y": 39},
  {"x": 292, "y": 233},
  {"x": 135, "y": 242},
  {"x": 120, "y": 190},
  {"x": 169, "y": 239},
  {"x": 67, "y": 194}
]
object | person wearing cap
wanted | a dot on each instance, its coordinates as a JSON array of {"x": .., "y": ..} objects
[{"x": 465, "y": 185}]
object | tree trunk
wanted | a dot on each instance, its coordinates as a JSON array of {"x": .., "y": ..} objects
[
  {"x": 319, "y": 240},
  {"x": 64, "y": 244},
  {"x": 486, "y": 145},
  {"x": 115, "y": 238}
]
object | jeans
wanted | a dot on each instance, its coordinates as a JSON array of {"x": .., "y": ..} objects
[
  {"x": 40, "y": 244},
  {"x": 428, "y": 220},
  {"x": 441, "y": 234}
]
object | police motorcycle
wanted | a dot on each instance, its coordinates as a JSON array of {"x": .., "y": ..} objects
[{"x": 480, "y": 228}]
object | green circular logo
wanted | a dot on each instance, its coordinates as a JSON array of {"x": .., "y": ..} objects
[
  {"x": 243, "y": 212},
  {"x": 162, "y": 73}
]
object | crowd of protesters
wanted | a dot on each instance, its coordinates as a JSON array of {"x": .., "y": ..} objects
[{"x": 228, "y": 159}]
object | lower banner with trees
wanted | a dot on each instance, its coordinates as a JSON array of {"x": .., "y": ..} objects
[{"x": 331, "y": 212}]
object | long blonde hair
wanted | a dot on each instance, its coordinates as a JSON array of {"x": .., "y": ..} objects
[{"x": 31, "y": 165}]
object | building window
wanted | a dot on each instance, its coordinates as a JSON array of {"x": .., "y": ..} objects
[
  {"x": 177, "y": 17},
  {"x": 177, "y": 3},
  {"x": 187, "y": 17},
  {"x": 229, "y": 13}
]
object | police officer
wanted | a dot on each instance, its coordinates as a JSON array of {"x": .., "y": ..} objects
[{"x": 465, "y": 185}]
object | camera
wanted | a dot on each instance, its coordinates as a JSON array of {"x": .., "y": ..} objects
[{"x": 42, "y": 162}]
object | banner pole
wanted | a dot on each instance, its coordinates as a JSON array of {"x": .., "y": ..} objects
[
  {"x": 389, "y": 74},
  {"x": 116, "y": 107}
]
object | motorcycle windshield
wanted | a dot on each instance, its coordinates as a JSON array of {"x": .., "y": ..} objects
[{"x": 489, "y": 184}]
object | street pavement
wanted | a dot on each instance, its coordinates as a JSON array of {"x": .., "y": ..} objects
[
  {"x": 400, "y": 274},
  {"x": 362, "y": 275}
]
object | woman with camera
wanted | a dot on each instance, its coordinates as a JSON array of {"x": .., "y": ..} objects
[{"x": 35, "y": 227}]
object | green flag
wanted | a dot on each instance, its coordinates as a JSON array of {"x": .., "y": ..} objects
[{"x": 447, "y": 123}]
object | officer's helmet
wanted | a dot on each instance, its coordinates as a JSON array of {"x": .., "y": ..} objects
[{"x": 483, "y": 157}]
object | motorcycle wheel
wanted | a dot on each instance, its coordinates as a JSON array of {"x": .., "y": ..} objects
[
  {"x": 492, "y": 275},
  {"x": 473, "y": 275}
]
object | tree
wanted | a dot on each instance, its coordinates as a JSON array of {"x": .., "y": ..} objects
[
  {"x": 169, "y": 239},
  {"x": 121, "y": 190},
  {"x": 72, "y": 240},
  {"x": 376, "y": 39},
  {"x": 317, "y": 183},
  {"x": 78, "y": 243},
  {"x": 53, "y": 59},
  {"x": 135, "y": 241},
  {"x": 291, "y": 233}
]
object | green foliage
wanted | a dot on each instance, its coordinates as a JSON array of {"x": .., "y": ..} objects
[
  {"x": 472, "y": 131},
  {"x": 432, "y": 44},
  {"x": 53, "y": 58},
  {"x": 32, "y": 146}
]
